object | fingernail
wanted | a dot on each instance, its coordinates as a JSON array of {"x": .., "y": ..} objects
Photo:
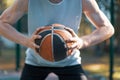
[
  {"x": 39, "y": 36},
  {"x": 38, "y": 46}
]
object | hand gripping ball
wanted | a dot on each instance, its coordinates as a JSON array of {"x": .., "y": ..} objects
[{"x": 53, "y": 46}]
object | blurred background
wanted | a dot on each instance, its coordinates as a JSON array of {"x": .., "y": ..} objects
[{"x": 101, "y": 62}]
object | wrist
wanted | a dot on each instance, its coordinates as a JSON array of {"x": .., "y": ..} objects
[
  {"x": 25, "y": 41},
  {"x": 84, "y": 43}
]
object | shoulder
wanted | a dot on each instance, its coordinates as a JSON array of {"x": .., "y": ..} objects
[
  {"x": 21, "y": 4},
  {"x": 15, "y": 11},
  {"x": 90, "y": 6}
]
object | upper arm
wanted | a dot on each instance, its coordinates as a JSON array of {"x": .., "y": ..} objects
[
  {"x": 14, "y": 12},
  {"x": 94, "y": 14}
]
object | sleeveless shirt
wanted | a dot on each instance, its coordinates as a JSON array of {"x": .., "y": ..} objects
[{"x": 43, "y": 12}]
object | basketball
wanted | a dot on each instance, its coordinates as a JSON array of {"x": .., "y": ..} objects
[{"x": 53, "y": 46}]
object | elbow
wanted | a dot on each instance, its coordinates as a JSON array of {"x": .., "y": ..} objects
[
  {"x": 111, "y": 31},
  {"x": 1, "y": 20}
]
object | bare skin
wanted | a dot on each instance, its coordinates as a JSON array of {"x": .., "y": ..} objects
[
  {"x": 104, "y": 29},
  {"x": 11, "y": 16}
]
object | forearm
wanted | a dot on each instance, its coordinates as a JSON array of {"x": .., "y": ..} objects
[
  {"x": 97, "y": 36},
  {"x": 104, "y": 28},
  {"x": 6, "y": 30}
]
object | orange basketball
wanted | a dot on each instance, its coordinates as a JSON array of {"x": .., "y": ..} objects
[{"x": 53, "y": 46}]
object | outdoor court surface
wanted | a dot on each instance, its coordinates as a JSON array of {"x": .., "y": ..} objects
[{"x": 4, "y": 75}]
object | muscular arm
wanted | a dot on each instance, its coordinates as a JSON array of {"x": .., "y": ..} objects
[
  {"x": 104, "y": 29},
  {"x": 10, "y": 16}
]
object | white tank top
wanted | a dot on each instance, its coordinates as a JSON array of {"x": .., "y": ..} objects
[{"x": 43, "y": 12}]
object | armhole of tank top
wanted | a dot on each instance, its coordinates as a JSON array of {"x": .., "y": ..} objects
[
  {"x": 81, "y": 5},
  {"x": 28, "y": 4}
]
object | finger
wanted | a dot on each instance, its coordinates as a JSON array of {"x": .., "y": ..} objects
[
  {"x": 71, "y": 31},
  {"x": 73, "y": 39},
  {"x": 36, "y": 46},
  {"x": 36, "y": 37},
  {"x": 59, "y": 25},
  {"x": 73, "y": 46}
]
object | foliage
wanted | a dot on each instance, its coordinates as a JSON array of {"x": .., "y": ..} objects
[{"x": 5, "y": 3}]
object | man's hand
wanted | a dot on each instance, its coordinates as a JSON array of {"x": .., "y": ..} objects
[
  {"x": 77, "y": 42},
  {"x": 34, "y": 36}
]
